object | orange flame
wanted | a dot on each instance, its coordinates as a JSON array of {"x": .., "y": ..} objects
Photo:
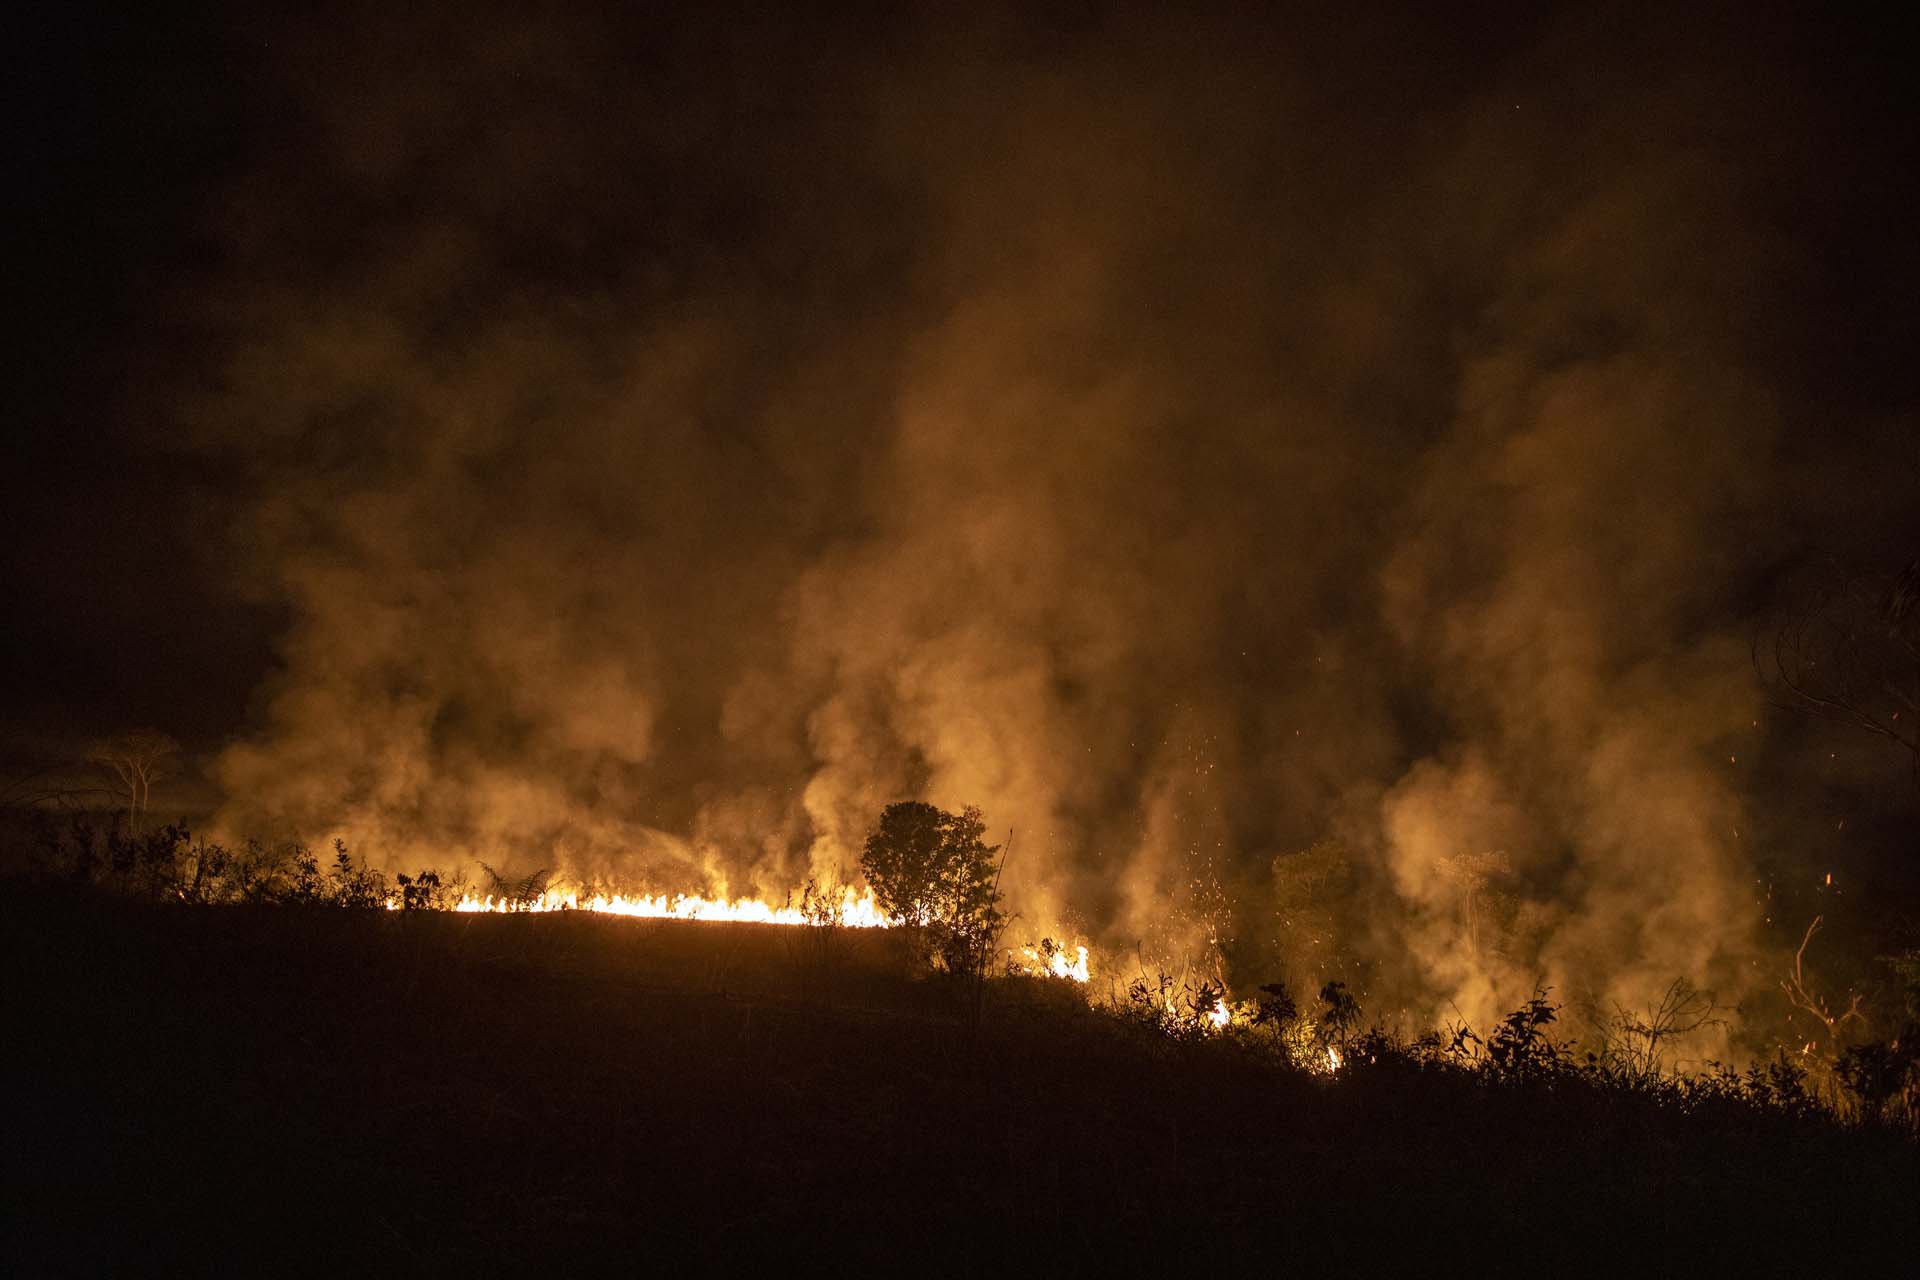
[
  {"x": 856, "y": 911},
  {"x": 1056, "y": 964}
]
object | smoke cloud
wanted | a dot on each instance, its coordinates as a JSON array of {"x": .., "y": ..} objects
[{"x": 1194, "y": 442}]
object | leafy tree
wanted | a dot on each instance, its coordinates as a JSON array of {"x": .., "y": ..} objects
[
  {"x": 934, "y": 871},
  {"x": 928, "y": 866}
]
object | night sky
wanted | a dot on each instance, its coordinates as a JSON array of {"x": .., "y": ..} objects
[{"x": 653, "y": 442}]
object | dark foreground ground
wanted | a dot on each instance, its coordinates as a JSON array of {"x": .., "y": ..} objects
[{"x": 278, "y": 1090}]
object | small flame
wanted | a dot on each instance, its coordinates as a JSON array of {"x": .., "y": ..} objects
[
  {"x": 1333, "y": 1059},
  {"x": 1219, "y": 1015},
  {"x": 1056, "y": 964},
  {"x": 1077, "y": 970}
]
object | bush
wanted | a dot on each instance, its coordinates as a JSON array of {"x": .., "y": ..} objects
[{"x": 423, "y": 892}]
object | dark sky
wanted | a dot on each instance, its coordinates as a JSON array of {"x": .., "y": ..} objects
[
  {"x": 122, "y": 126},
  {"x": 662, "y": 437}
]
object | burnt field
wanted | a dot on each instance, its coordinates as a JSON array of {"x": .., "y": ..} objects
[{"x": 426, "y": 1092}]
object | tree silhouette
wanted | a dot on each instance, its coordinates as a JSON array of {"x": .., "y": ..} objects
[
  {"x": 135, "y": 760},
  {"x": 929, "y": 866}
]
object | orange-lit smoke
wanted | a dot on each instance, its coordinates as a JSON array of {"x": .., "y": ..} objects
[{"x": 1266, "y": 502}]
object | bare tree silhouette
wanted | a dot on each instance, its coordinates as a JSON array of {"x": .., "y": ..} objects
[
  {"x": 135, "y": 760},
  {"x": 1804, "y": 996}
]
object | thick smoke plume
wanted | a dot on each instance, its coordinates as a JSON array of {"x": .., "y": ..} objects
[{"x": 1299, "y": 484}]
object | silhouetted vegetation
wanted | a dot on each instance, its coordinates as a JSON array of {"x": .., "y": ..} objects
[
  {"x": 171, "y": 863},
  {"x": 430, "y": 1091},
  {"x": 935, "y": 872},
  {"x": 233, "y": 1051}
]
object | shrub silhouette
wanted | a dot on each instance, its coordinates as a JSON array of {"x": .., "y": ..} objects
[
  {"x": 516, "y": 891},
  {"x": 1339, "y": 1015},
  {"x": 423, "y": 892}
]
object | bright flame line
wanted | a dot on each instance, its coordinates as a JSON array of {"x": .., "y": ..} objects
[{"x": 856, "y": 911}]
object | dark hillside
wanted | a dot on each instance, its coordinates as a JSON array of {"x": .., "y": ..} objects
[{"x": 317, "y": 1089}]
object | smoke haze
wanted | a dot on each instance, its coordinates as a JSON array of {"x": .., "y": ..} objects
[{"x": 1195, "y": 441}]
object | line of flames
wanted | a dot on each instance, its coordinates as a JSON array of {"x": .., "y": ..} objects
[{"x": 855, "y": 911}]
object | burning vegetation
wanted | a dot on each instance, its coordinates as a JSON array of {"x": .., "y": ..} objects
[
  {"x": 932, "y": 881},
  {"x": 549, "y": 1087},
  {"x": 1404, "y": 522}
]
